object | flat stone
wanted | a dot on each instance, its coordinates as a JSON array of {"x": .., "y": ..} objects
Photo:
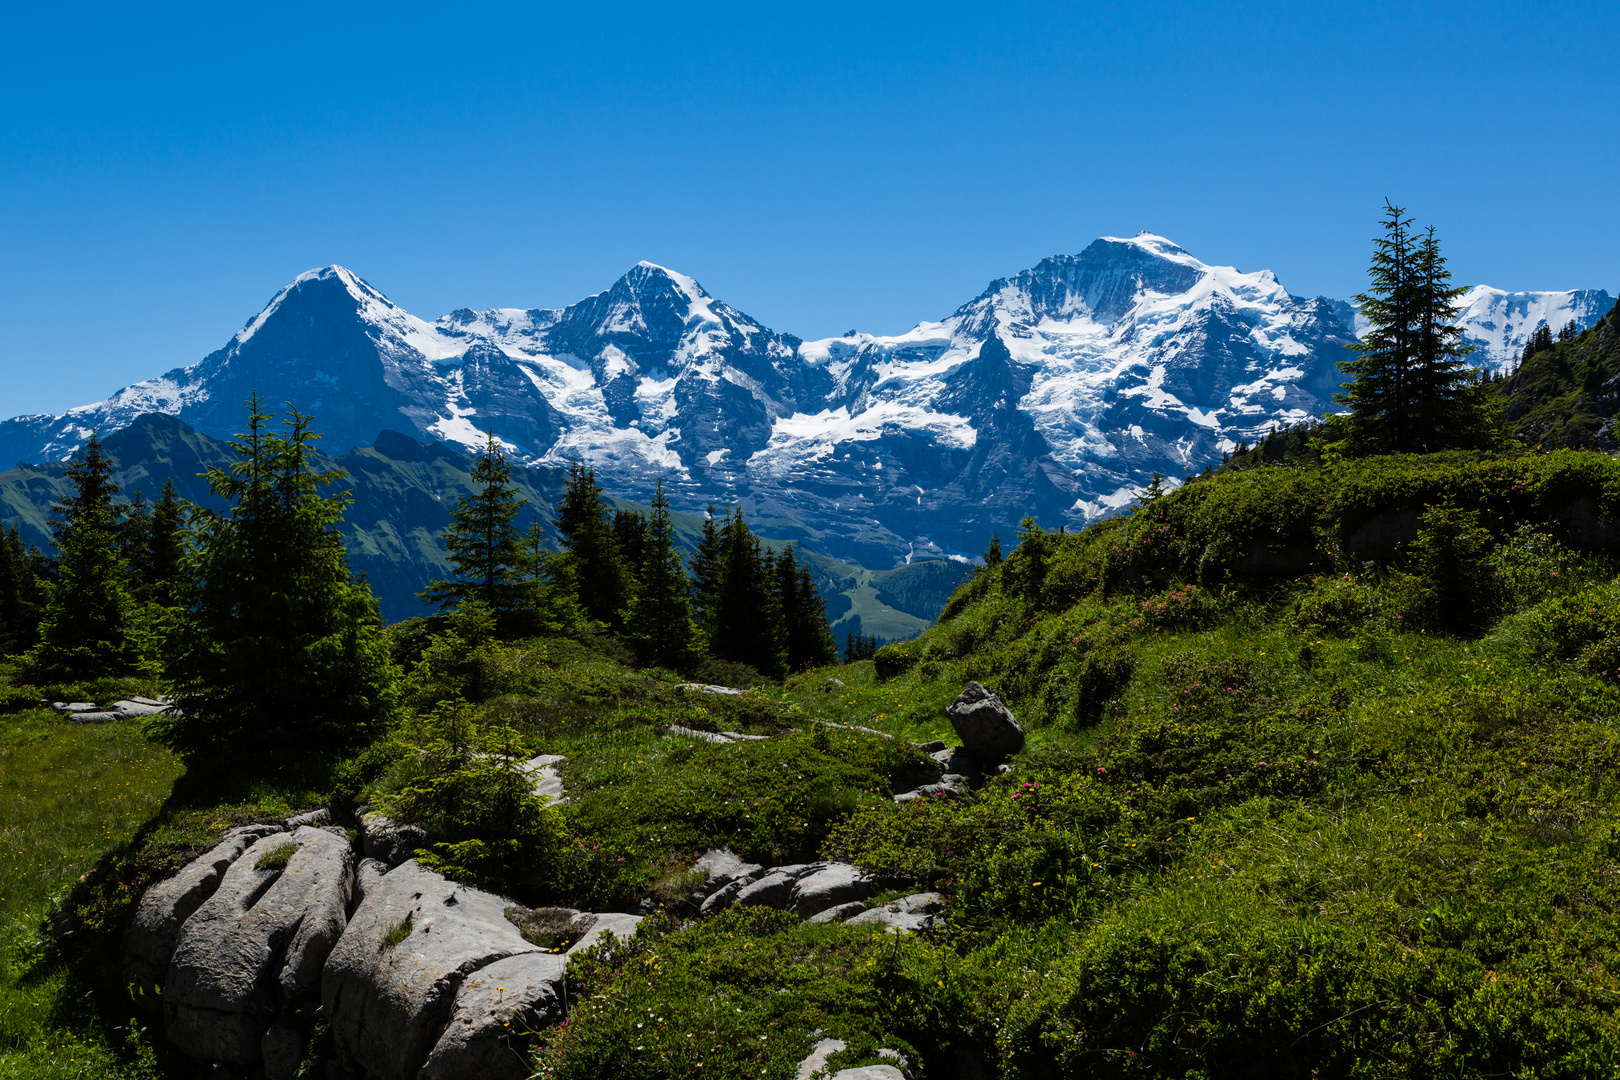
[
  {"x": 932, "y": 746},
  {"x": 619, "y": 924},
  {"x": 817, "y": 1060},
  {"x": 919, "y": 911},
  {"x": 831, "y": 885},
  {"x": 167, "y": 904},
  {"x": 314, "y": 818},
  {"x": 771, "y": 890},
  {"x": 722, "y": 867},
  {"x": 496, "y": 1008},
  {"x": 838, "y": 913},
  {"x": 140, "y": 707},
  {"x": 680, "y": 732},
  {"x": 547, "y": 783},
  {"x": 76, "y": 706},
  {"x": 388, "y": 1003},
  {"x": 256, "y": 945},
  {"x": 95, "y": 717},
  {"x": 706, "y": 688},
  {"x": 737, "y": 736}
]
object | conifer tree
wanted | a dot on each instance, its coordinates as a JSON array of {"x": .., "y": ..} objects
[
  {"x": 88, "y": 628},
  {"x": 485, "y": 547},
  {"x": 660, "y": 617},
  {"x": 276, "y": 644},
  {"x": 992, "y": 554},
  {"x": 1445, "y": 389},
  {"x": 745, "y": 624},
  {"x": 20, "y": 593},
  {"x": 165, "y": 548},
  {"x": 805, "y": 631},
  {"x": 706, "y": 571},
  {"x": 630, "y": 534},
  {"x": 604, "y": 581}
]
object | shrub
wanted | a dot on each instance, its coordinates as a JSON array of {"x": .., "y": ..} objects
[
  {"x": 1456, "y": 586},
  {"x": 1530, "y": 565},
  {"x": 1338, "y": 605},
  {"x": 893, "y": 660},
  {"x": 1584, "y": 627},
  {"x": 1186, "y": 608}
]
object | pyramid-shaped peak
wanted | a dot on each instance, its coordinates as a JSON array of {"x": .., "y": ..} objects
[{"x": 649, "y": 277}]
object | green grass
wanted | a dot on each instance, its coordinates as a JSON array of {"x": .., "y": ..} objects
[
  {"x": 397, "y": 933},
  {"x": 277, "y": 857},
  {"x": 68, "y": 793}
]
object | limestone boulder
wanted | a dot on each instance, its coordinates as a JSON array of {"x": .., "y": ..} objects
[
  {"x": 722, "y": 867},
  {"x": 388, "y": 841},
  {"x": 390, "y": 988},
  {"x": 985, "y": 725},
  {"x": 832, "y": 884},
  {"x": 838, "y": 913},
  {"x": 167, "y": 904},
  {"x": 909, "y": 914},
  {"x": 257, "y": 944},
  {"x": 495, "y": 1009}
]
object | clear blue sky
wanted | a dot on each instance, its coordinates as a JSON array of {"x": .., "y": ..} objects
[{"x": 821, "y": 168}]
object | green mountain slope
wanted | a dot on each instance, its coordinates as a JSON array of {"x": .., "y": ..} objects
[{"x": 1568, "y": 395}]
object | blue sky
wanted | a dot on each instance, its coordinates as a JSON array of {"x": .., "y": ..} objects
[{"x": 820, "y": 167}]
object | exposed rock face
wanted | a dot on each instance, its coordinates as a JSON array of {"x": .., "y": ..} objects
[
  {"x": 830, "y": 885},
  {"x": 494, "y": 1005},
  {"x": 919, "y": 911},
  {"x": 389, "y": 842},
  {"x": 166, "y": 905},
  {"x": 985, "y": 725},
  {"x": 258, "y": 943},
  {"x": 390, "y": 986}
]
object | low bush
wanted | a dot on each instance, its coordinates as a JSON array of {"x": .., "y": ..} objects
[{"x": 892, "y": 660}]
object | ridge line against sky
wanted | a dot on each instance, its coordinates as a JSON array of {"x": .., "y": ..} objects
[{"x": 162, "y": 175}]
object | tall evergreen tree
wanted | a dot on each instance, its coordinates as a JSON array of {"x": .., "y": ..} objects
[
  {"x": 992, "y": 554},
  {"x": 706, "y": 571},
  {"x": 605, "y": 582},
  {"x": 807, "y": 636},
  {"x": 630, "y": 533},
  {"x": 660, "y": 617},
  {"x": 485, "y": 548},
  {"x": 1409, "y": 387},
  {"x": 745, "y": 621},
  {"x": 88, "y": 628},
  {"x": 276, "y": 644},
  {"x": 20, "y": 593},
  {"x": 165, "y": 548}
]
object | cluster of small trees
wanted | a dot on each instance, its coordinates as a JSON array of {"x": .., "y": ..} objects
[{"x": 622, "y": 571}]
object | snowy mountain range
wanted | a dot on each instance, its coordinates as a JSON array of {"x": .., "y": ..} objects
[{"x": 1056, "y": 392}]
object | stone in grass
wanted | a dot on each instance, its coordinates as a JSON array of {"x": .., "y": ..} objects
[
  {"x": 257, "y": 944},
  {"x": 721, "y": 867},
  {"x": 387, "y": 841},
  {"x": 167, "y": 904},
  {"x": 831, "y": 885},
  {"x": 985, "y": 725},
  {"x": 680, "y": 732},
  {"x": 919, "y": 911},
  {"x": 773, "y": 888},
  {"x": 838, "y": 913}
]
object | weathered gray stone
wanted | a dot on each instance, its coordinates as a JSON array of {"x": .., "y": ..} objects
[
  {"x": 388, "y": 841},
  {"x": 830, "y": 885},
  {"x": 167, "y": 904},
  {"x": 814, "y": 1067},
  {"x": 985, "y": 725},
  {"x": 737, "y": 736},
  {"x": 726, "y": 895},
  {"x": 771, "y": 890},
  {"x": 722, "y": 867},
  {"x": 547, "y": 784},
  {"x": 619, "y": 924},
  {"x": 932, "y": 746},
  {"x": 496, "y": 1008},
  {"x": 282, "y": 1050},
  {"x": 140, "y": 707},
  {"x": 838, "y": 913},
  {"x": 919, "y": 911},
  {"x": 259, "y": 942},
  {"x": 314, "y": 819},
  {"x": 706, "y": 688},
  {"x": 816, "y": 1062},
  {"x": 869, "y": 1072},
  {"x": 388, "y": 1002},
  {"x": 95, "y": 717},
  {"x": 366, "y": 875},
  {"x": 681, "y": 732}
]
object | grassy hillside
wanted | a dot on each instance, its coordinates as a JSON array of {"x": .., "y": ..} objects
[
  {"x": 1321, "y": 781},
  {"x": 1568, "y": 395}
]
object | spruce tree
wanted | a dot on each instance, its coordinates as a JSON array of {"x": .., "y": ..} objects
[
  {"x": 630, "y": 534},
  {"x": 605, "y": 583},
  {"x": 746, "y": 619},
  {"x": 165, "y": 548},
  {"x": 276, "y": 645},
  {"x": 992, "y": 554},
  {"x": 706, "y": 571},
  {"x": 660, "y": 617},
  {"x": 88, "y": 628},
  {"x": 808, "y": 638},
  {"x": 20, "y": 593},
  {"x": 485, "y": 548},
  {"x": 1444, "y": 388}
]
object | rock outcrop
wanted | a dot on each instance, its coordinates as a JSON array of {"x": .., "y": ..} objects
[{"x": 985, "y": 725}]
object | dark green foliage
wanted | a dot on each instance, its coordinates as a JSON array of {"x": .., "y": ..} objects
[
  {"x": 921, "y": 588},
  {"x": 1410, "y": 388},
  {"x": 486, "y": 548},
  {"x": 89, "y": 626},
  {"x": 467, "y": 788},
  {"x": 705, "y": 574},
  {"x": 992, "y": 554},
  {"x": 1563, "y": 393},
  {"x": 165, "y": 549},
  {"x": 744, "y": 623},
  {"x": 1456, "y": 588},
  {"x": 660, "y": 616},
  {"x": 276, "y": 645},
  {"x": 805, "y": 631},
  {"x": 21, "y": 593},
  {"x": 858, "y": 648},
  {"x": 631, "y": 534},
  {"x": 894, "y": 659},
  {"x": 605, "y": 581}
]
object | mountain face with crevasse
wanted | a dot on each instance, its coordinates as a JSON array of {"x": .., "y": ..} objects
[{"x": 1056, "y": 392}]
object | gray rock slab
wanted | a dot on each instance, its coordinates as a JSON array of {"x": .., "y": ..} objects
[
  {"x": 722, "y": 867},
  {"x": 869, "y": 1072},
  {"x": 706, "y": 688},
  {"x": 909, "y": 914},
  {"x": 932, "y": 746},
  {"x": 282, "y": 1051},
  {"x": 816, "y": 1062},
  {"x": 314, "y": 818},
  {"x": 680, "y": 732},
  {"x": 771, "y": 890},
  {"x": 737, "y": 736},
  {"x": 167, "y": 904},
  {"x": 76, "y": 706},
  {"x": 940, "y": 790},
  {"x": 388, "y": 841},
  {"x": 838, "y": 913},
  {"x": 366, "y": 874},
  {"x": 985, "y": 725},
  {"x": 619, "y": 924},
  {"x": 258, "y": 943},
  {"x": 857, "y": 727},
  {"x": 95, "y": 717},
  {"x": 495, "y": 1009},
  {"x": 829, "y": 886},
  {"x": 139, "y": 707},
  {"x": 388, "y": 1003},
  {"x": 543, "y": 768}
]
